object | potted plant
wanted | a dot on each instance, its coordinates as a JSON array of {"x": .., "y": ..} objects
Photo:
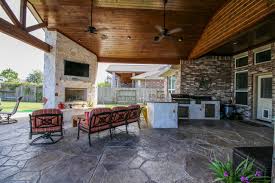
[{"x": 244, "y": 173}]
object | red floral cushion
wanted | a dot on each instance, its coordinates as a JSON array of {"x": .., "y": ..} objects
[
  {"x": 100, "y": 119},
  {"x": 46, "y": 121},
  {"x": 119, "y": 117},
  {"x": 134, "y": 113}
]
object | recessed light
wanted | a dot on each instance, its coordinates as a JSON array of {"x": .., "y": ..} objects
[
  {"x": 180, "y": 39},
  {"x": 235, "y": 43}
]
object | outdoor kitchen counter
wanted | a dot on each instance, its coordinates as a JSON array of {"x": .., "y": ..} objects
[{"x": 162, "y": 114}]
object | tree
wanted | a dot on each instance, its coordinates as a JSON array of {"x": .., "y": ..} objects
[
  {"x": 104, "y": 84},
  {"x": 10, "y": 75},
  {"x": 35, "y": 77}
]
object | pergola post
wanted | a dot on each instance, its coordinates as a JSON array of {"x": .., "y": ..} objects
[{"x": 113, "y": 84}]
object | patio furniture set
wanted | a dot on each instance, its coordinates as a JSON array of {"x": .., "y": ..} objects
[{"x": 49, "y": 122}]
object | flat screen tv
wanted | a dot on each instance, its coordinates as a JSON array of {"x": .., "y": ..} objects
[{"x": 76, "y": 69}]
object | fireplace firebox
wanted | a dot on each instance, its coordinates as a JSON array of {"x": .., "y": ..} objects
[{"x": 75, "y": 94}]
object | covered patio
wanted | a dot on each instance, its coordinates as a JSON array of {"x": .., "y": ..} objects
[
  {"x": 146, "y": 155},
  {"x": 222, "y": 52}
]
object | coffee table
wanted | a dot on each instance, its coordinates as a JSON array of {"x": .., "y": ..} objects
[{"x": 76, "y": 118}]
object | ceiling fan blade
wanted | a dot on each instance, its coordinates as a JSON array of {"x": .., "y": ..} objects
[
  {"x": 159, "y": 28},
  {"x": 158, "y": 38},
  {"x": 173, "y": 31}
]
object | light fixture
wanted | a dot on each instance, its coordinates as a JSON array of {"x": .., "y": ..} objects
[
  {"x": 129, "y": 37},
  {"x": 180, "y": 39},
  {"x": 235, "y": 43},
  {"x": 104, "y": 37}
]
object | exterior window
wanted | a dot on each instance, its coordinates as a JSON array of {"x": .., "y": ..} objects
[
  {"x": 241, "y": 87},
  {"x": 266, "y": 88},
  {"x": 171, "y": 84},
  {"x": 241, "y": 62},
  {"x": 263, "y": 56}
]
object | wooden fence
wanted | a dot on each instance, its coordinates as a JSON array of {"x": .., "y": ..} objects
[
  {"x": 29, "y": 93},
  {"x": 107, "y": 95}
]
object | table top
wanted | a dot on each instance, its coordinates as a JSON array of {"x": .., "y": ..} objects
[{"x": 82, "y": 116}]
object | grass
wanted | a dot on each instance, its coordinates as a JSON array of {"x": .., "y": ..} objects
[
  {"x": 23, "y": 106},
  {"x": 114, "y": 105}
]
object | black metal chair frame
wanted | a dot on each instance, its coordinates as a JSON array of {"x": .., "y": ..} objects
[
  {"x": 102, "y": 122},
  {"x": 5, "y": 117},
  {"x": 121, "y": 118},
  {"x": 46, "y": 121},
  {"x": 138, "y": 121}
]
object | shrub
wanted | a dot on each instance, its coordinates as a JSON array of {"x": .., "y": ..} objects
[{"x": 244, "y": 173}]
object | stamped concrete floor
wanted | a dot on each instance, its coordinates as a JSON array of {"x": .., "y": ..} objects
[{"x": 143, "y": 156}]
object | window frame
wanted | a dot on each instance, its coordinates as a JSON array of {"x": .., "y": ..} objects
[
  {"x": 239, "y": 57},
  {"x": 259, "y": 51},
  {"x": 169, "y": 88},
  {"x": 240, "y": 90}
]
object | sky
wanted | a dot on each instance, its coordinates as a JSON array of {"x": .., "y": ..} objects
[{"x": 24, "y": 58}]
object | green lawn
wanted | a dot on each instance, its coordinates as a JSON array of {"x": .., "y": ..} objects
[
  {"x": 23, "y": 107},
  {"x": 114, "y": 105}
]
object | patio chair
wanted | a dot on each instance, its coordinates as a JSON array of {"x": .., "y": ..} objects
[
  {"x": 5, "y": 117},
  {"x": 120, "y": 116},
  {"x": 134, "y": 114},
  {"x": 98, "y": 120},
  {"x": 47, "y": 123}
]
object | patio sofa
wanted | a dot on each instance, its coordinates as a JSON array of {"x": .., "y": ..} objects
[{"x": 100, "y": 119}]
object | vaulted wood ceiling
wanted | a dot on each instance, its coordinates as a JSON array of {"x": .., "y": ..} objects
[{"x": 124, "y": 18}]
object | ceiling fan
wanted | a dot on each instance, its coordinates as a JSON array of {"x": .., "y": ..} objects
[
  {"x": 93, "y": 30},
  {"x": 163, "y": 31}
]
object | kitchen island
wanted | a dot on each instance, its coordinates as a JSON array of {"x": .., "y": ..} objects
[{"x": 162, "y": 114}]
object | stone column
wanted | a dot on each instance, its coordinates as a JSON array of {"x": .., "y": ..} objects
[
  {"x": 273, "y": 106},
  {"x": 250, "y": 84},
  {"x": 49, "y": 82},
  {"x": 113, "y": 84}
]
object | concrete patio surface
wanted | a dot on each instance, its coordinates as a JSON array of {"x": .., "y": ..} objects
[{"x": 142, "y": 156}]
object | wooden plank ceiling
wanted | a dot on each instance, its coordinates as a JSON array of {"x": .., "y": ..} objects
[
  {"x": 233, "y": 19},
  {"x": 123, "y": 18}
]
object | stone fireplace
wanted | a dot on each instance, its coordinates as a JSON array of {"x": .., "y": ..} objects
[{"x": 76, "y": 91}]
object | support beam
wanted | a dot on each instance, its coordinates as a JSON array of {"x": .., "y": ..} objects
[
  {"x": 171, "y": 61},
  {"x": 233, "y": 18},
  {"x": 18, "y": 33},
  {"x": 23, "y": 13},
  {"x": 37, "y": 26},
  {"x": 9, "y": 12}
]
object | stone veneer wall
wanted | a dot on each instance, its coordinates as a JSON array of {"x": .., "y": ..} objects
[
  {"x": 273, "y": 107},
  {"x": 55, "y": 81},
  {"x": 249, "y": 111},
  {"x": 207, "y": 76}
]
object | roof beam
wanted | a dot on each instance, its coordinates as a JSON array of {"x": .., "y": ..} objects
[
  {"x": 171, "y": 61},
  {"x": 232, "y": 19},
  {"x": 37, "y": 26},
  {"x": 9, "y": 12},
  {"x": 20, "y": 34},
  {"x": 23, "y": 13}
]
